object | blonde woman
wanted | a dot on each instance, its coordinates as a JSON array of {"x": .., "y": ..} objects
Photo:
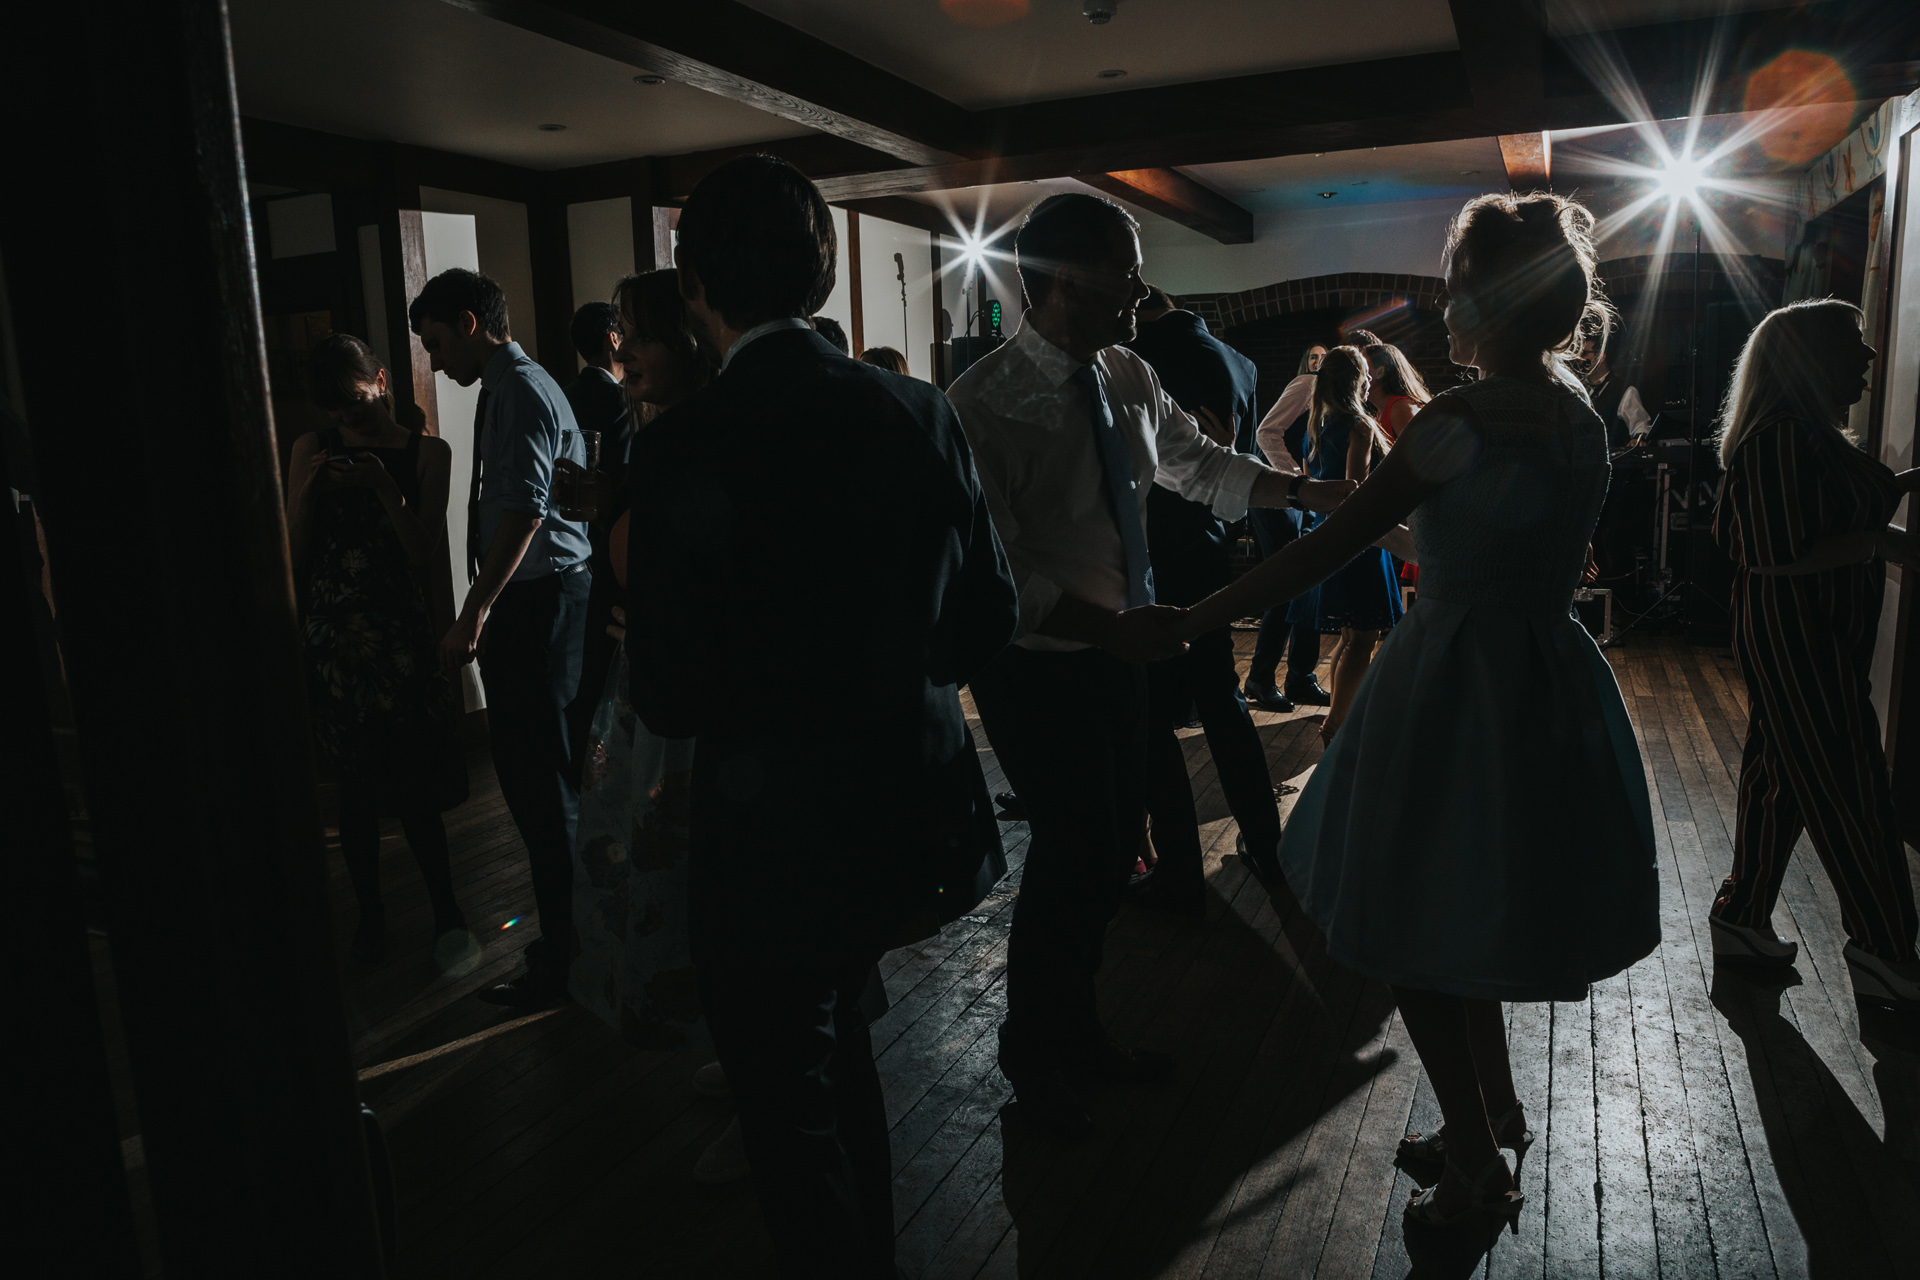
[
  {"x": 1480, "y": 830},
  {"x": 1362, "y": 600},
  {"x": 1804, "y": 515}
]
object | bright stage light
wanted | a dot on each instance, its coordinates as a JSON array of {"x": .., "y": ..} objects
[
  {"x": 1681, "y": 179},
  {"x": 973, "y": 250}
]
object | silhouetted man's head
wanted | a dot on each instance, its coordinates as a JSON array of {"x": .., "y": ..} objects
[
  {"x": 461, "y": 317},
  {"x": 756, "y": 244},
  {"x": 1079, "y": 261}
]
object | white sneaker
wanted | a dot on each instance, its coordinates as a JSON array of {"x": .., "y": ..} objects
[
  {"x": 710, "y": 1081},
  {"x": 725, "y": 1161},
  {"x": 1877, "y": 982},
  {"x": 1737, "y": 944}
]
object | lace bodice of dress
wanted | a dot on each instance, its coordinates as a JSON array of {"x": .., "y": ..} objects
[{"x": 1512, "y": 527}]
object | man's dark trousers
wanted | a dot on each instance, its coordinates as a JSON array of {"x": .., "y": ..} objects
[
  {"x": 531, "y": 668},
  {"x": 799, "y": 1061},
  {"x": 1273, "y": 529},
  {"x": 1204, "y": 677},
  {"x": 1070, "y": 731}
]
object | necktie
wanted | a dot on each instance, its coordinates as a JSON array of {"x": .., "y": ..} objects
[
  {"x": 473, "y": 490},
  {"x": 1118, "y": 471}
]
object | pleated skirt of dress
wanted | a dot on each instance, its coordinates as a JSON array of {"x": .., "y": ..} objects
[{"x": 1480, "y": 824}]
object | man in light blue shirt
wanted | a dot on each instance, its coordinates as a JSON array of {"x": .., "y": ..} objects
[{"x": 525, "y": 613}]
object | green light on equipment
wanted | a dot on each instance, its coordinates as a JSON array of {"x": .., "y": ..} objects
[{"x": 993, "y": 315}]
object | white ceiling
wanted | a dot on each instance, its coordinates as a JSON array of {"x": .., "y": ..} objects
[
  {"x": 432, "y": 75},
  {"x": 1419, "y": 171},
  {"x": 1053, "y": 51}
]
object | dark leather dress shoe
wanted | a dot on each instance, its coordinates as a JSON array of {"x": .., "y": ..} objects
[
  {"x": 1047, "y": 1100},
  {"x": 526, "y": 993},
  {"x": 1011, "y": 810},
  {"x": 1308, "y": 693},
  {"x": 1161, "y": 894},
  {"x": 1268, "y": 698},
  {"x": 1117, "y": 1064}
]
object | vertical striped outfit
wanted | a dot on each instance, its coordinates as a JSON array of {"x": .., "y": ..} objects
[{"x": 1804, "y": 642}]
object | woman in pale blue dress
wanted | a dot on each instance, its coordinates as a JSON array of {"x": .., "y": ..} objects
[{"x": 1479, "y": 831}]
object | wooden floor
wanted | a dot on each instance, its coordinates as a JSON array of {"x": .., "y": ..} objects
[{"x": 1689, "y": 1123}]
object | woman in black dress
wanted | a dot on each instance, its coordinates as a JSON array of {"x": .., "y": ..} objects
[
  {"x": 366, "y": 514},
  {"x": 1361, "y": 601},
  {"x": 1804, "y": 515}
]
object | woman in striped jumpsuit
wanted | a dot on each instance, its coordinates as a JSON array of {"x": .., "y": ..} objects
[{"x": 1804, "y": 516}]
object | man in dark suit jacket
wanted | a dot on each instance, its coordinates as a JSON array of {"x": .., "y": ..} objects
[
  {"x": 1190, "y": 548},
  {"x": 825, "y": 508},
  {"x": 599, "y": 404}
]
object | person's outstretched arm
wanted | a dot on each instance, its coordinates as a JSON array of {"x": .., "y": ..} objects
[{"x": 1439, "y": 445}]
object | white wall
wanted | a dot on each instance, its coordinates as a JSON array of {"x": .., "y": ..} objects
[
  {"x": 1903, "y": 405},
  {"x": 500, "y": 236},
  {"x": 600, "y": 244},
  {"x": 881, "y": 315},
  {"x": 837, "y": 306}
]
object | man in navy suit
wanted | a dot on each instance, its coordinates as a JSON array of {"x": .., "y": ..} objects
[
  {"x": 829, "y": 510},
  {"x": 1190, "y": 548}
]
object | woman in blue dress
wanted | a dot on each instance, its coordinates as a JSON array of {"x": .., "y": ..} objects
[
  {"x": 1479, "y": 831},
  {"x": 1362, "y": 599}
]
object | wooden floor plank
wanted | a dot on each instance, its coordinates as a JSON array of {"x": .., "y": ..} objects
[{"x": 1689, "y": 1123}]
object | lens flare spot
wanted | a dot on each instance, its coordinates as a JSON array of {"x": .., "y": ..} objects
[
  {"x": 984, "y": 13},
  {"x": 1812, "y": 99},
  {"x": 509, "y": 924}
]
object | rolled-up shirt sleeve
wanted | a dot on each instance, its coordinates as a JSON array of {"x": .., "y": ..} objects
[
  {"x": 522, "y": 458},
  {"x": 1196, "y": 468},
  {"x": 1271, "y": 435}
]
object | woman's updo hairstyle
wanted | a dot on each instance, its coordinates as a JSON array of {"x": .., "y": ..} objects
[{"x": 1523, "y": 268}]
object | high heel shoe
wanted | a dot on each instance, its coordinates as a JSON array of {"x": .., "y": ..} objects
[
  {"x": 1875, "y": 982},
  {"x": 1738, "y": 944},
  {"x": 1504, "y": 1206},
  {"x": 1426, "y": 1153}
]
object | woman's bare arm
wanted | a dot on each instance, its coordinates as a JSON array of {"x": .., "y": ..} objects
[
  {"x": 1373, "y": 513},
  {"x": 302, "y": 469}
]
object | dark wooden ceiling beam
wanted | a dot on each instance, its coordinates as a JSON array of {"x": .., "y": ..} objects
[
  {"x": 1175, "y": 196},
  {"x": 908, "y": 213},
  {"x": 728, "y": 49},
  {"x": 1501, "y": 44}
]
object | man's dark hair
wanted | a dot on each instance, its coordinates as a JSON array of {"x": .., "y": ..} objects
[
  {"x": 830, "y": 329},
  {"x": 591, "y": 325},
  {"x": 1156, "y": 299},
  {"x": 1069, "y": 229},
  {"x": 761, "y": 239},
  {"x": 451, "y": 292}
]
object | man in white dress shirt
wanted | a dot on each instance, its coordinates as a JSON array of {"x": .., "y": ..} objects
[{"x": 1069, "y": 432}]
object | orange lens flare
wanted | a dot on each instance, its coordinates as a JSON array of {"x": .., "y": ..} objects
[{"x": 1813, "y": 101}]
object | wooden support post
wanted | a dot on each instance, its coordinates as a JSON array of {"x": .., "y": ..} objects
[
  {"x": 64, "y": 1185},
  {"x": 178, "y": 625},
  {"x": 403, "y": 273},
  {"x": 855, "y": 298},
  {"x": 551, "y": 257},
  {"x": 652, "y": 221}
]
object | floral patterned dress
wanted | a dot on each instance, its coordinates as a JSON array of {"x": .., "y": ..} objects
[{"x": 382, "y": 706}]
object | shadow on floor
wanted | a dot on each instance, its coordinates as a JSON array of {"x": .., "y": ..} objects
[
  {"x": 1840, "y": 1178},
  {"x": 1270, "y": 1037}
]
